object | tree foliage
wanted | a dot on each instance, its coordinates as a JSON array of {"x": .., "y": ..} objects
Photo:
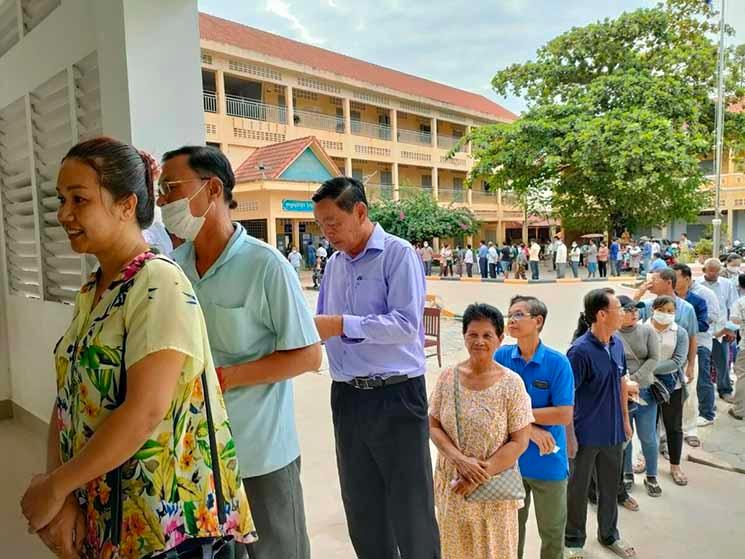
[
  {"x": 420, "y": 218},
  {"x": 619, "y": 115}
]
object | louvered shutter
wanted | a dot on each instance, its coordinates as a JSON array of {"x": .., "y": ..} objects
[{"x": 18, "y": 202}]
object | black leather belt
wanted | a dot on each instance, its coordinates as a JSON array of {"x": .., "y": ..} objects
[{"x": 371, "y": 383}]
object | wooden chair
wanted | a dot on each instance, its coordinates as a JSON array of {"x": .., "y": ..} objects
[{"x": 432, "y": 332}]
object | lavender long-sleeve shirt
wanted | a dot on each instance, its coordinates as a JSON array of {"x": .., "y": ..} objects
[{"x": 380, "y": 294}]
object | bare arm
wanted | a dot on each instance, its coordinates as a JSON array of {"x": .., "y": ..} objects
[
  {"x": 507, "y": 455},
  {"x": 468, "y": 467},
  {"x": 276, "y": 367},
  {"x": 557, "y": 415},
  {"x": 54, "y": 460}
]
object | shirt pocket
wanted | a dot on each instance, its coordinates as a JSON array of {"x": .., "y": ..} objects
[
  {"x": 540, "y": 393},
  {"x": 228, "y": 328},
  {"x": 369, "y": 297}
]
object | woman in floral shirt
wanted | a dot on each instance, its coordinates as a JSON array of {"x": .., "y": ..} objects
[{"x": 134, "y": 369}]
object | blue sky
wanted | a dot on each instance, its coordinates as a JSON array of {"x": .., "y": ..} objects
[{"x": 458, "y": 43}]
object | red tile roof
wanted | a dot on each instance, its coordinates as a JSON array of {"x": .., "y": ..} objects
[
  {"x": 276, "y": 158},
  {"x": 220, "y": 30}
]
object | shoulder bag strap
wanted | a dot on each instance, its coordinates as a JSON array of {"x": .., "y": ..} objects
[{"x": 456, "y": 389}]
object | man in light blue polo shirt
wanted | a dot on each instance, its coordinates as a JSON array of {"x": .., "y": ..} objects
[
  {"x": 261, "y": 334},
  {"x": 548, "y": 379}
]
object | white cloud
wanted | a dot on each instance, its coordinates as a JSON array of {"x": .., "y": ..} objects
[{"x": 282, "y": 9}]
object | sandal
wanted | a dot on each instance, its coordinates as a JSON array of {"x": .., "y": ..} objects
[
  {"x": 628, "y": 482},
  {"x": 665, "y": 452},
  {"x": 629, "y": 503},
  {"x": 622, "y": 549},
  {"x": 692, "y": 441},
  {"x": 640, "y": 466},
  {"x": 679, "y": 478},
  {"x": 575, "y": 553},
  {"x": 653, "y": 488}
]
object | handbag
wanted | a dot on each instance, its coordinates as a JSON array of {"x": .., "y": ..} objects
[{"x": 506, "y": 485}]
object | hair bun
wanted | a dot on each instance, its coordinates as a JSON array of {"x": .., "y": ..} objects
[{"x": 151, "y": 163}]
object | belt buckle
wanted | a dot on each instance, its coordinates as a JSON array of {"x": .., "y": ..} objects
[{"x": 364, "y": 383}]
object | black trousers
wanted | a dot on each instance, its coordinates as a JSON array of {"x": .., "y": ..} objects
[
  {"x": 672, "y": 417},
  {"x": 385, "y": 470},
  {"x": 603, "y": 266},
  {"x": 492, "y": 270},
  {"x": 469, "y": 269},
  {"x": 607, "y": 462}
]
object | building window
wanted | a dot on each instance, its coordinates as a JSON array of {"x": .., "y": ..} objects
[
  {"x": 256, "y": 228},
  {"x": 386, "y": 177},
  {"x": 427, "y": 181}
]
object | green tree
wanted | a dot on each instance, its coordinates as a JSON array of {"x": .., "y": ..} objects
[
  {"x": 619, "y": 115},
  {"x": 420, "y": 218}
]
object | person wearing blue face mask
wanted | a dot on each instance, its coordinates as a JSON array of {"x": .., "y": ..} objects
[{"x": 261, "y": 334}]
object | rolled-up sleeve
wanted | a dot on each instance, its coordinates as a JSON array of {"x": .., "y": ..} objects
[{"x": 404, "y": 301}]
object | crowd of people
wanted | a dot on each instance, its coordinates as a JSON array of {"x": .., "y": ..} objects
[
  {"x": 173, "y": 431},
  {"x": 598, "y": 258}
]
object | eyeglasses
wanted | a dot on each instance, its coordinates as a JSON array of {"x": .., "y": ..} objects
[
  {"x": 166, "y": 187},
  {"x": 518, "y": 316}
]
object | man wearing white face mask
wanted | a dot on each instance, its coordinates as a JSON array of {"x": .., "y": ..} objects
[
  {"x": 261, "y": 334},
  {"x": 731, "y": 271}
]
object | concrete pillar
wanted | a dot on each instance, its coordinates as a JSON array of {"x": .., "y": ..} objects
[
  {"x": 290, "y": 106},
  {"x": 271, "y": 230},
  {"x": 434, "y": 132},
  {"x": 436, "y": 183},
  {"x": 347, "y": 115},
  {"x": 500, "y": 232},
  {"x": 138, "y": 43},
  {"x": 296, "y": 233},
  {"x": 730, "y": 224},
  {"x": 394, "y": 175},
  {"x": 469, "y": 196},
  {"x": 394, "y": 125},
  {"x": 222, "y": 102},
  {"x": 348, "y": 166},
  {"x": 468, "y": 145}
]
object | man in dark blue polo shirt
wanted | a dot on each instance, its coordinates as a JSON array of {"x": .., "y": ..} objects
[
  {"x": 601, "y": 422},
  {"x": 548, "y": 379}
]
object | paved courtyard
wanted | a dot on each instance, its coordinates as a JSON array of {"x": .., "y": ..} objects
[{"x": 701, "y": 520}]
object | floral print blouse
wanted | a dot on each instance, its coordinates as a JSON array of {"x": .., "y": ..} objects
[{"x": 168, "y": 487}]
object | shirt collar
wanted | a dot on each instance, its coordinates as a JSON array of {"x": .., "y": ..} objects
[
  {"x": 537, "y": 358},
  {"x": 186, "y": 251},
  {"x": 375, "y": 242}
]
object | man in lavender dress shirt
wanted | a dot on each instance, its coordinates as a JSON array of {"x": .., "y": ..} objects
[{"x": 370, "y": 309}]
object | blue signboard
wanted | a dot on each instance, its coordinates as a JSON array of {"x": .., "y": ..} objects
[{"x": 297, "y": 205}]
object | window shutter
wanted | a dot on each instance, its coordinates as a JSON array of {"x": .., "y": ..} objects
[
  {"x": 53, "y": 136},
  {"x": 8, "y": 26},
  {"x": 87, "y": 97},
  {"x": 34, "y": 12},
  {"x": 18, "y": 202}
]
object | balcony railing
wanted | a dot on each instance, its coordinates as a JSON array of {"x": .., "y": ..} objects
[
  {"x": 449, "y": 142},
  {"x": 248, "y": 108},
  {"x": 210, "y": 101},
  {"x": 414, "y": 137},
  {"x": 409, "y": 191},
  {"x": 371, "y": 130},
  {"x": 481, "y": 197},
  {"x": 729, "y": 180},
  {"x": 374, "y": 192},
  {"x": 447, "y": 195},
  {"x": 319, "y": 121}
]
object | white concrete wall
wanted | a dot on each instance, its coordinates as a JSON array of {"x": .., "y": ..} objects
[{"x": 150, "y": 96}]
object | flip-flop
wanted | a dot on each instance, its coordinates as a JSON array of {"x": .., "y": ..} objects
[
  {"x": 665, "y": 452},
  {"x": 732, "y": 413},
  {"x": 622, "y": 549},
  {"x": 679, "y": 478},
  {"x": 653, "y": 488},
  {"x": 693, "y": 441},
  {"x": 575, "y": 553}
]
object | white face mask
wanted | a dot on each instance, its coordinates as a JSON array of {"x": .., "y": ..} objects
[
  {"x": 663, "y": 318},
  {"x": 733, "y": 269},
  {"x": 178, "y": 219}
]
